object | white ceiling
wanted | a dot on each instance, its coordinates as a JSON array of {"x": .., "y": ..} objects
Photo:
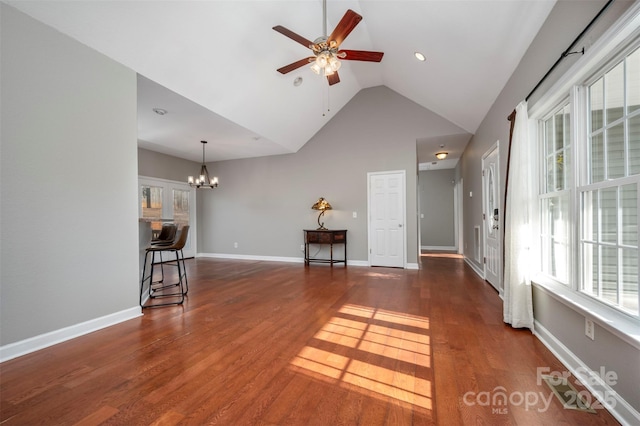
[{"x": 212, "y": 64}]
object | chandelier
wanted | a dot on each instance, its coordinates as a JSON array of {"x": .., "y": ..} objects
[{"x": 203, "y": 181}]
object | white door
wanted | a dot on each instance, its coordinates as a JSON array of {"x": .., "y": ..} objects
[
  {"x": 491, "y": 217},
  {"x": 387, "y": 233}
]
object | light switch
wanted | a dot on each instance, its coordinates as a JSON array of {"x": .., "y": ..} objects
[{"x": 355, "y": 215}]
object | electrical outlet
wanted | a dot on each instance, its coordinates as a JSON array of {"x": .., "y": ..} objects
[
  {"x": 235, "y": 245},
  {"x": 588, "y": 329},
  {"x": 301, "y": 247},
  {"x": 355, "y": 215}
]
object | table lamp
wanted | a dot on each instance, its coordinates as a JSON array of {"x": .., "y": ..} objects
[{"x": 321, "y": 205}]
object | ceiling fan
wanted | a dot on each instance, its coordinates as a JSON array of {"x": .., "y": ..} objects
[{"x": 326, "y": 49}]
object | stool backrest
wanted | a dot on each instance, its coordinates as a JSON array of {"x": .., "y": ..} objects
[
  {"x": 168, "y": 233},
  {"x": 184, "y": 234}
]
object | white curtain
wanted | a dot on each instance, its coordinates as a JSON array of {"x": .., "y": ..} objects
[{"x": 518, "y": 305}]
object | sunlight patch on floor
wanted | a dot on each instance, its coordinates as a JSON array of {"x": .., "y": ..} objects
[{"x": 367, "y": 340}]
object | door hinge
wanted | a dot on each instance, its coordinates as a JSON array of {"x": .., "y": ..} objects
[
  {"x": 484, "y": 260},
  {"x": 483, "y": 216}
]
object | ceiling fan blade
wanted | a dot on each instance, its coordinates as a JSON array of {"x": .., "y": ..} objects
[
  {"x": 333, "y": 78},
  {"x": 293, "y": 36},
  {"x": 295, "y": 65},
  {"x": 361, "y": 55},
  {"x": 344, "y": 27}
]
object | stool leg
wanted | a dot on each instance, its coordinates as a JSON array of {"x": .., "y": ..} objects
[
  {"x": 149, "y": 277},
  {"x": 186, "y": 282},
  {"x": 144, "y": 278},
  {"x": 162, "y": 286}
]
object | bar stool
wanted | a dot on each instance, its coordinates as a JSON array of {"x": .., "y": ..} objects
[
  {"x": 167, "y": 235},
  {"x": 158, "y": 289}
]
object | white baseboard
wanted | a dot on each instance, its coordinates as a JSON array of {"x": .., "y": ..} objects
[
  {"x": 251, "y": 257},
  {"x": 285, "y": 259},
  {"x": 32, "y": 344},
  {"x": 473, "y": 266},
  {"x": 439, "y": 248},
  {"x": 270, "y": 258},
  {"x": 592, "y": 380}
]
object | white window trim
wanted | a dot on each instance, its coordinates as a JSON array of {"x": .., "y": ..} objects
[
  {"x": 624, "y": 31},
  {"x": 616, "y": 322}
]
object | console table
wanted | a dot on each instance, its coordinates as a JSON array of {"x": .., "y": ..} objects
[{"x": 325, "y": 236}]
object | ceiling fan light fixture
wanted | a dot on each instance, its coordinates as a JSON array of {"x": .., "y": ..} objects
[
  {"x": 441, "y": 155},
  {"x": 323, "y": 59},
  {"x": 334, "y": 63},
  {"x": 326, "y": 63},
  {"x": 316, "y": 68}
]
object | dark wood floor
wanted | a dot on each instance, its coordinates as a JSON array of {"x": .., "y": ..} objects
[{"x": 283, "y": 344}]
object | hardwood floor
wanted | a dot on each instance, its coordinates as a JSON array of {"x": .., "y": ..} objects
[{"x": 282, "y": 344}]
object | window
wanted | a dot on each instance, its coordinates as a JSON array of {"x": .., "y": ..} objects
[
  {"x": 163, "y": 201},
  {"x": 151, "y": 205},
  {"x": 609, "y": 195},
  {"x": 588, "y": 210},
  {"x": 555, "y": 215}
]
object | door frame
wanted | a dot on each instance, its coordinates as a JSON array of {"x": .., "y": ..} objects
[
  {"x": 458, "y": 201},
  {"x": 404, "y": 208},
  {"x": 495, "y": 147}
]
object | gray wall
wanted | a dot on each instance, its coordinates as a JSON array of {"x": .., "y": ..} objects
[
  {"x": 437, "y": 227},
  {"x": 68, "y": 182},
  {"x": 566, "y": 21},
  {"x": 156, "y": 165},
  {"x": 264, "y": 203}
]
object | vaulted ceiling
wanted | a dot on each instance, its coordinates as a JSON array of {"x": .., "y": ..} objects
[{"x": 212, "y": 64}]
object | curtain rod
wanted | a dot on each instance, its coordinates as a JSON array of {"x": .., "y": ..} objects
[{"x": 568, "y": 51}]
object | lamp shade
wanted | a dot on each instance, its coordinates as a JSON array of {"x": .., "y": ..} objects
[{"x": 322, "y": 205}]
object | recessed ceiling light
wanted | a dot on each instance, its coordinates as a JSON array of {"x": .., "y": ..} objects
[
  {"x": 160, "y": 111},
  {"x": 419, "y": 56}
]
